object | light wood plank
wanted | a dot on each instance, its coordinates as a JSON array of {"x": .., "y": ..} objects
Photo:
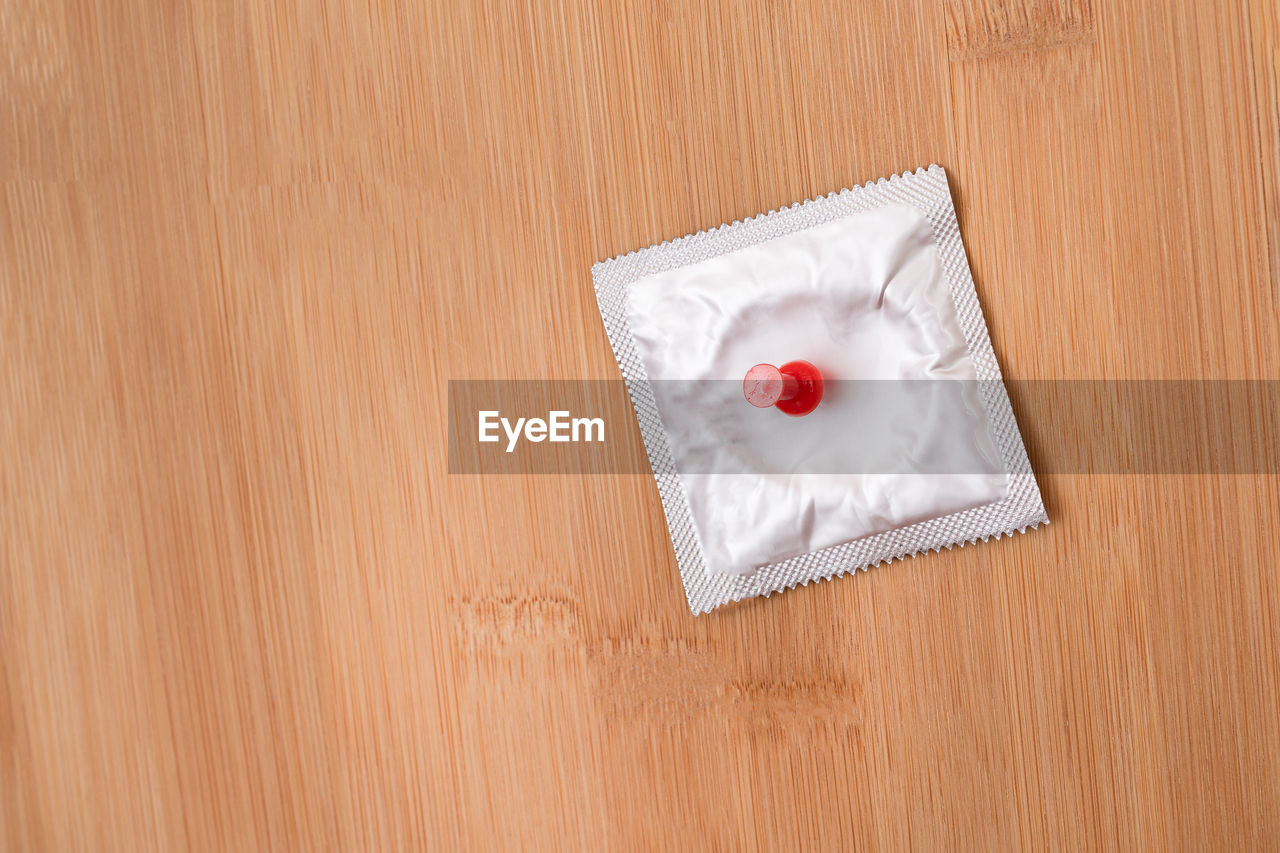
[{"x": 243, "y": 605}]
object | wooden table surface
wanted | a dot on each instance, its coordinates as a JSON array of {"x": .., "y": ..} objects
[{"x": 243, "y": 605}]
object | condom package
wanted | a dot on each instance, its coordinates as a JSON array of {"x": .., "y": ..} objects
[{"x": 887, "y": 431}]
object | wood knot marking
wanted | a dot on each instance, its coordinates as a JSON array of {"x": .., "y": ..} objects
[
  {"x": 676, "y": 683},
  {"x": 980, "y": 29},
  {"x": 500, "y": 620}
]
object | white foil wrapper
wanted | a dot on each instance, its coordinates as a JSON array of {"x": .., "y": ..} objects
[{"x": 914, "y": 446}]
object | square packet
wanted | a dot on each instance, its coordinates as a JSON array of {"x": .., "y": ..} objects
[{"x": 913, "y": 446}]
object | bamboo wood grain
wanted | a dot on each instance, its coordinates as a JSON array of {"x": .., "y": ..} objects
[{"x": 243, "y": 605}]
